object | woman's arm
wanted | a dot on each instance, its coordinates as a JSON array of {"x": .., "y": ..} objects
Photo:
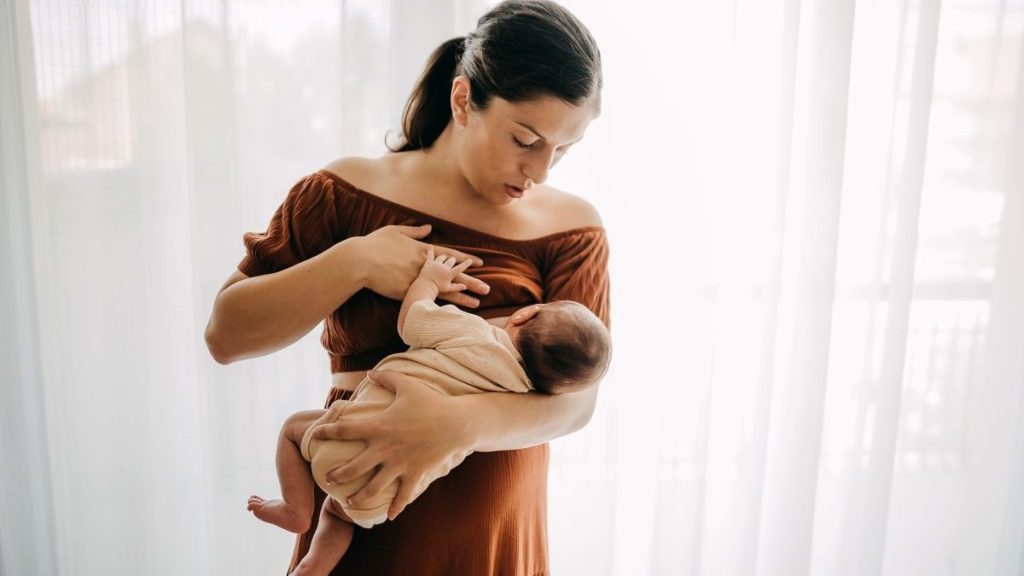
[
  {"x": 259, "y": 315},
  {"x": 408, "y": 444},
  {"x": 503, "y": 421}
]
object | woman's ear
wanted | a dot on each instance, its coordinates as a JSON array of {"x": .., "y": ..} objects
[
  {"x": 460, "y": 101},
  {"x": 523, "y": 314}
]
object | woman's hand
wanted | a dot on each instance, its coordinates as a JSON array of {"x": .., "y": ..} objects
[
  {"x": 394, "y": 255},
  {"x": 416, "y": 440}
]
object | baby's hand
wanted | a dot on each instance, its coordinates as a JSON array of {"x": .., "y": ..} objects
[{"x": 441, "y": 270}]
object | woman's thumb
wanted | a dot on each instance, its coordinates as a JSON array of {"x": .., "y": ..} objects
[{"x": 382, "y": 378}]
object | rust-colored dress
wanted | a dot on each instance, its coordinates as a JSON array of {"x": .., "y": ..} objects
[{"x": 488, "y": 516}]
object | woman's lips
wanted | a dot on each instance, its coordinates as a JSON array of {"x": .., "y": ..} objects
[{"x": 513, "y": 191}]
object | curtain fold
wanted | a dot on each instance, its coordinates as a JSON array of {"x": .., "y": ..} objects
[{"x": 27, "y": 520}]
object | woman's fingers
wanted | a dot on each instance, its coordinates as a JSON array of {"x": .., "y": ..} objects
[
  {"x": 343, "y": 430},
  {"x": 473, "y": 284},
  {"x": 367, "y": 494},
  {"x": 362, "y": 464},
  {"x": 402, "y": 498},
  {"x": 423, "y": 231},
  {"x": 460, "y": 299},
  {"x": 457, "y": 254},
  {"x": 395, "y": 381},
  {"x": 412, "y": 231}
]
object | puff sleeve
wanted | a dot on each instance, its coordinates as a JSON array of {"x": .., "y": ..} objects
[
  {"x": 308, "y": 222},
  {"x": 577, "y": 269}
]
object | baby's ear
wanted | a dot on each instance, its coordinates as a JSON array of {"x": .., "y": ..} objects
[{"x": 523, "y": 314}]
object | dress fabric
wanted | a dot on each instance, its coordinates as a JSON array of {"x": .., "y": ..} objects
[{"x": 488, "y": 515}]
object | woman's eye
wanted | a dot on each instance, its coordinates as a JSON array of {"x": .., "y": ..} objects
[{"x": 522, "y": 144}]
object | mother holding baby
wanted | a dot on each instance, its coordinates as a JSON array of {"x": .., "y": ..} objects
[{"x": 492, "y": 113}]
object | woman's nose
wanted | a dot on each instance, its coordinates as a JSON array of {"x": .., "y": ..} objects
[{"x": 537, "y": 170}]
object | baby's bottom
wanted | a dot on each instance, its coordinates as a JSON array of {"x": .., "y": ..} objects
[{"x": 326, "y": 455}]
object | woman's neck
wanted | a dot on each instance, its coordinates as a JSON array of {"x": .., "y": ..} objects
[{"x": 438, "y": 168}]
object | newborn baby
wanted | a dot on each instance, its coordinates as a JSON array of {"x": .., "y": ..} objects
[{"x": 556, "y": 347}]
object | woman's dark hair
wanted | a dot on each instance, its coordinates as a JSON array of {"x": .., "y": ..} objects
[
  {"x": 521, "y": 49},
  {"x": 564, "y": 350}
]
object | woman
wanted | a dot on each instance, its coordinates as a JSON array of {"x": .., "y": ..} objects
[{"x": 492, "y": 113}]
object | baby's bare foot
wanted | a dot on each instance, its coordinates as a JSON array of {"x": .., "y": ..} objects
[{"x": 279, "y": 513}]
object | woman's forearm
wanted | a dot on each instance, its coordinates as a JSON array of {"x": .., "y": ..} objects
[
  {"x": 508, "y": 421},
  {"x": 261, "y": 314}
]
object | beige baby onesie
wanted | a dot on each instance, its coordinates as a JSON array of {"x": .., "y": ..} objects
[{"x": 453, "y": 352}]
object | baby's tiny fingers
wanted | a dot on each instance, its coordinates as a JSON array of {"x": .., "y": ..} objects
[{"x": 477, "y": 261}]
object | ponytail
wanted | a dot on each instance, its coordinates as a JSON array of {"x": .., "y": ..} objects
[
  {"x": 520, "y": 49},
  {"x": 429, "y": 109}
]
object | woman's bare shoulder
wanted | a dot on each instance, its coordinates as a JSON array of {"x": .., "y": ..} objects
[
  {"x": 568, "y": 211},
  {"x": 379, "y": 176},
  {"x": 358, "y": 171}
]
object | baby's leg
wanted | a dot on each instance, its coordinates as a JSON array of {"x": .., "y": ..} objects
[
  {"x": 294, "y": 511},
  {"x": 330, "y": 541}
]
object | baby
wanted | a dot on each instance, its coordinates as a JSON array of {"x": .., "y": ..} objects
[{"x": 553, "y": 348}]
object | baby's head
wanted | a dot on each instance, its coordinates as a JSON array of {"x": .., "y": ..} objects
[{"x": 565, "y": 347}]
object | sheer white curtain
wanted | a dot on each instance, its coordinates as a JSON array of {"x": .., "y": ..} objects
[{"x": 817, "y": 228}]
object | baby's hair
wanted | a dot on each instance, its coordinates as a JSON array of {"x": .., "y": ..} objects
[{"x": 564, "y": 348}]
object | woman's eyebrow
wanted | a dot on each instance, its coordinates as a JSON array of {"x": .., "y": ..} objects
[
  {"x": 530, "y": 128},
  {"x": 538, "y": 134}
]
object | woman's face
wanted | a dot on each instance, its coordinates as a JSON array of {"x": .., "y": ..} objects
[{"x": 509, "y": 147}]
